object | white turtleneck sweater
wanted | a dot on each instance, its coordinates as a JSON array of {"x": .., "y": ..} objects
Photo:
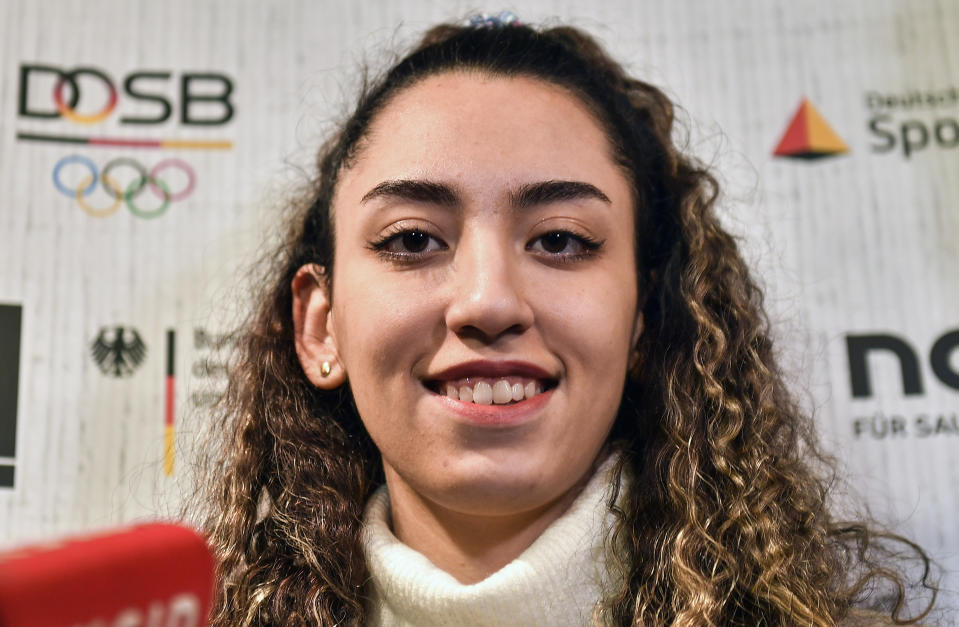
[{"x": 559, "y": 580}]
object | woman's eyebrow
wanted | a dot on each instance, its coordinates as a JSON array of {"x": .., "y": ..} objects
[
  {"x": 414, "y": 191},
  {"x": 533, "y": 194},
  {"x": 528, "y": 195}
]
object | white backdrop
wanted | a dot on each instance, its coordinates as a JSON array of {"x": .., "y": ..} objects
[{"x": 864, "y": 243}]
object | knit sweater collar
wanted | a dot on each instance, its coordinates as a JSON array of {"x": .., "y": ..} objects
[{"x": 558, "y": 580}]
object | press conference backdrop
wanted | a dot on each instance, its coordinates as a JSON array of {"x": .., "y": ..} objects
[{"x": 834, "y": 128}]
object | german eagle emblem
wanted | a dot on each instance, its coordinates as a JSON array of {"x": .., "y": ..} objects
[{"x": 118, "y": 353}]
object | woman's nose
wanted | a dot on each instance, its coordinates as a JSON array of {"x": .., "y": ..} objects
[{"x": 489, "y": 297}]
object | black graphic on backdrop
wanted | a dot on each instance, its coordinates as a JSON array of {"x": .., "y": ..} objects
[
  {"x": 118, "y": 352},
  {"x": 10, "y": 322},
  {"x": 884, "y": 423},
  {"x": 859, "y": 346}
]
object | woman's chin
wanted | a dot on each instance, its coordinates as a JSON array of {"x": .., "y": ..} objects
[{"x": 501, "y": 487}]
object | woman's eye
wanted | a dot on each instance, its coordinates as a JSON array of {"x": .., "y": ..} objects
[
  {"x": 414, "y": 241},
  {"x": 564, "y": 244},
  {"x": 555, "y": 242},
  {"x": 410, "y": 242}
]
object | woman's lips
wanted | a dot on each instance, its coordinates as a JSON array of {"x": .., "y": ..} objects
[
  {"x": 509, "y": 414},
  {"x": 490, "y": 390},
  {"x": 491, "y": 382},
  {"x": 493, "y": 392}
]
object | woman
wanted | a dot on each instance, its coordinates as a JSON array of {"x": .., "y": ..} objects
[{"x": 512, "y": 370}]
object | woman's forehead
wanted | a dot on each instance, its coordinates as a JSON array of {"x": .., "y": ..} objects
[
  {"x": 488, "y": 130},
  {"x": 480, "y": 106}
]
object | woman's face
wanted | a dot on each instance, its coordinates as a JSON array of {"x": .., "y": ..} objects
[{"x": 484, "y": 249}]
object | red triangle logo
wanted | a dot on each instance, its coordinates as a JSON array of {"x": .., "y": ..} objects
[{"x": 809, "y": 136}]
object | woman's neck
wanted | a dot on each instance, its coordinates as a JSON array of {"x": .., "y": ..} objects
[{"x": 467, "y": 546}]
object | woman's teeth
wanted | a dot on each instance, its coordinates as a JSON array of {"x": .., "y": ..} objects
[{"x": 493, "y": 392}]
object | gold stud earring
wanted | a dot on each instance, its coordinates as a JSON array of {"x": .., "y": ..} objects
[{"x": 326, "y": 369}]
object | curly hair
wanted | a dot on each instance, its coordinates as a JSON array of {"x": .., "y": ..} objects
[{"x": 726, "y": 520}]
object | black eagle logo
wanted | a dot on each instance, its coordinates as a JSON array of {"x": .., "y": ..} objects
[{"x": 118, "y": 353}]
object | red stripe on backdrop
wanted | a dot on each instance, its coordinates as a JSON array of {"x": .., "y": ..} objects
[{"x": 170, "y": 396}]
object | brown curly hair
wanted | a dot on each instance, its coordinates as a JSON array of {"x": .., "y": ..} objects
[{"x": 726, "y": 522}]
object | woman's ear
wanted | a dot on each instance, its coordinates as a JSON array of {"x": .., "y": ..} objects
[{"x": 313, "y": 332}]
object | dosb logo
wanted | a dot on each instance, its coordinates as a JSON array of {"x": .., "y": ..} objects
[{"x": 87, "y": 95}]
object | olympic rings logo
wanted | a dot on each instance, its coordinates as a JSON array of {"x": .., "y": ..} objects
[{"x": 128, "y": 193}]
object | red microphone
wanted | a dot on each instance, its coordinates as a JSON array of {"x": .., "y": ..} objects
[{"x": 154, "y": 575}]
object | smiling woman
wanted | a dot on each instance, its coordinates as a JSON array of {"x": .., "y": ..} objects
[
  {"x": 504, "y": 264},
  {"x": 510, "y": 369}
]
